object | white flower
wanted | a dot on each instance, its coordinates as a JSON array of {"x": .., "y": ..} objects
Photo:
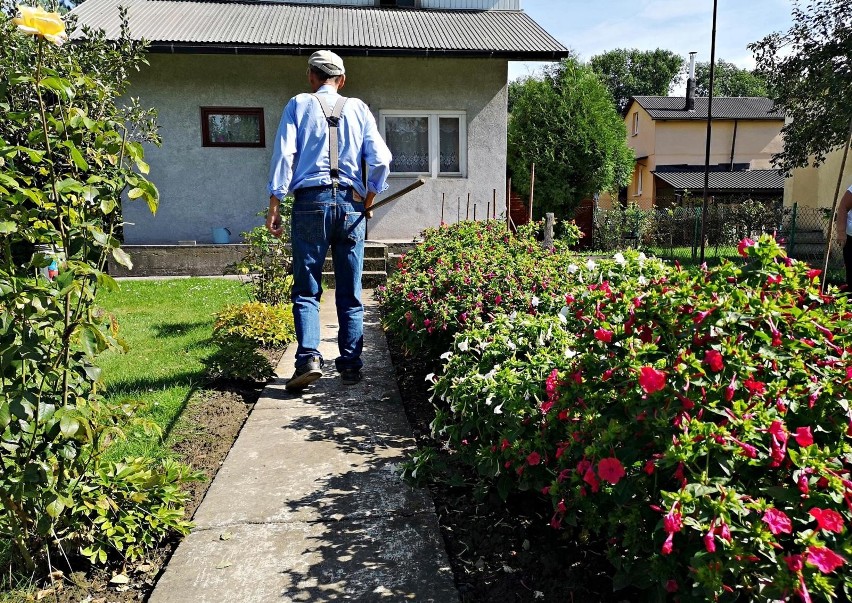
[
  {"x": 534, "y": 301},
  {"x": 590, "y": 265},
  {"x": 572, "y": 268},
  {"x": 463, "y": 346},
  {"x": 564, "y": 312},
  {"x": 511, "y": 345},
  {"x": 619, "y": 258},
  {"x": 430, "y": 377},
  {"x": 642, "y": 257},
  {"x": 513, "y": 315},
  {"x": 498, "y": 410},
  {"x": 642, "y": 280},
  {"x": 446, "y": 355},
  {"x": 562, "y": 318},
  {"x": 569, "y": 353}
]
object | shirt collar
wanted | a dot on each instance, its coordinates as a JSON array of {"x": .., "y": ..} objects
[{"x": 327, "y": 88}]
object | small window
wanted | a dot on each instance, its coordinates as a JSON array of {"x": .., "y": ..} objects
[
  {"x": 430, "y": 143},
  {"x": 397, "y": 3},
  {"x": 232, "y": 127},
  {"x": 639, "y": 182},
  {"x": 636, "y": 123}
]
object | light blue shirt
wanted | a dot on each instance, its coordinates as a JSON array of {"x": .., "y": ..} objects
[{"x": 300, "y": 155}]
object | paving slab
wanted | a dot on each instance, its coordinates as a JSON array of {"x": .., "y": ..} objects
[{"x": 309, "y": 505}]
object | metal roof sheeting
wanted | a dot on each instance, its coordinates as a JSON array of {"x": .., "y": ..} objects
[
  {"x": 724, "y": 107},
  {"x": 744, "y": 180},
  {"x": 204, "y": 26}
]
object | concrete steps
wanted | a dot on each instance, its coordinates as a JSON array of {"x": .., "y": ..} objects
[{"x": 375, "y": 267}]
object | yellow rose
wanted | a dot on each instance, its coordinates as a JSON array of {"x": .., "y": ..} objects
[{"x": 38, "y": 22}]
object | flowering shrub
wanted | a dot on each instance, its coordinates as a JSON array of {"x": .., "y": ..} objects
[
  {"x": 699, "y": 419},
  {"x": 464, "y": 274}
]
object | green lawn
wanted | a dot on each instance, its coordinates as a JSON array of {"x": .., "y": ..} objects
[{"x": 167, "y": 324}]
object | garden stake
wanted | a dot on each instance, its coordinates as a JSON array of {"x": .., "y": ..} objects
[
  {"x": 474, "y": 212},
  {"x": 488, "y": 210},
  {"x": 467, "y": 211},
  {"x": 494, "y": 198},
  {"x": 532, "y": 188},
  {"x": 443, "y": 198}
]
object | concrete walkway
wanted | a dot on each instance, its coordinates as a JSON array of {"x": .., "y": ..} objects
[{"x": 308, "y": 505}]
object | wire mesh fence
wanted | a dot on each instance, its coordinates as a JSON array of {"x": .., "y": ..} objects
[{"x": 674, "y": 232}]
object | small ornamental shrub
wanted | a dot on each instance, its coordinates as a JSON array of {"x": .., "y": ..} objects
[
  {"x": 699, "y": 420},
  {"x": 240, "y": 360},
  {"x": 466, "y": 273},
  {"x": 267, "y": 264},
  {"x": 261, "y": 324}
]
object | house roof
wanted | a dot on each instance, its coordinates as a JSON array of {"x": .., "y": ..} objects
[
  {"x": 724, "y": 107},
  {"x": 263, "y": 27},
  {"x": 743, "y": 180}
]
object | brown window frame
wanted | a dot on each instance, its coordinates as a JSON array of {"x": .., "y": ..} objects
[{"x": 206, "y": 112}]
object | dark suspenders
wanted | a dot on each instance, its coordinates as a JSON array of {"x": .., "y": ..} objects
[{"x": 332, "y": 118}]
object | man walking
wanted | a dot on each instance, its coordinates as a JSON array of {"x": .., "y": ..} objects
[{"x": 317, "y": 157}]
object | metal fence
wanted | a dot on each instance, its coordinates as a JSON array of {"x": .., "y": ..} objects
[{"x": 675, "y": 232}]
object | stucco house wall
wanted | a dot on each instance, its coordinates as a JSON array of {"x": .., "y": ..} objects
[
  {"x": 684, "y": 142},
  {"x": 815, "y": 186},
  {"x": 212, "y": 187}
]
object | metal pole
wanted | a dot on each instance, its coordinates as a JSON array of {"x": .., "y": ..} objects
[
  {"x": 474, "y": 212},
  {"x": 494, "y": 205},
  {"x": 709, "y": 131},
  {"x": 443, "y": 199},
  {"x": 467, "y": 211}
]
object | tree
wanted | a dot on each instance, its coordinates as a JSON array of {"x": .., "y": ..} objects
[
  {"x": 728, "y": 80},
  {"x": 809, "y": 72},
  {"x": 632, "y": 72},
  {"x": 567, "y": 125}
]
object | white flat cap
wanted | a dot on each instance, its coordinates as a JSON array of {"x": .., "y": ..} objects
[{"x": 327, "y": 61}]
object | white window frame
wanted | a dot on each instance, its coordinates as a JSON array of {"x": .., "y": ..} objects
[
  {"x": 636, "y": 123},
  {"x": 434, "y": 118},
  {"x": 638, "y": 183}
]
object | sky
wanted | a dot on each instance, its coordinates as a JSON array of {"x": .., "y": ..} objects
[{"x": 591, "y": 27}]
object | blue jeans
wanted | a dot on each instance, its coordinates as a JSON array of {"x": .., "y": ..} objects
[{"x": 323, "y": 219}]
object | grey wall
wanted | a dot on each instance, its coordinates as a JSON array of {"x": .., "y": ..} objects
[{"x": 202, "y": 188}]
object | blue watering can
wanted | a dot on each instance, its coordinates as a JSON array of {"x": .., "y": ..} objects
[{"x": 221, "y": 236}]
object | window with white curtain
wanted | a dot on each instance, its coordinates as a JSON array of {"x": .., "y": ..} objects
[{"x": 429, "y": 143}]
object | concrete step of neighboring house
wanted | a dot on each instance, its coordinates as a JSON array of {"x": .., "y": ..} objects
[{"x": 370, "y": 264}]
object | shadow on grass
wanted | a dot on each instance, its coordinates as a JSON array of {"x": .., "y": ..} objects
[{"x": 179, "y": 329}]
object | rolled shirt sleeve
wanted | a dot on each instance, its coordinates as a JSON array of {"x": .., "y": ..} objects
[
  {"x": 283, "y": 153},
  {"x": 377, "y": 156}
]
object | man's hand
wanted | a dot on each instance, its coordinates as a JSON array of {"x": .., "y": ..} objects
[
  {"x": 273, "y": 218},
  {"x": 368, "y": 202}
]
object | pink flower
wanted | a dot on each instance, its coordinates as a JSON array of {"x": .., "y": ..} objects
[
  {"x": 824, "y": 559},
  {"x": 724, "y": 532},
  {"x": 671, "y": 586},
  {"x": 713, "y": 359},
  {"x": 498, "y": 299},
  {"x": 710, "y": 542},
  {"x": 590, "y": 478},
  {"x": 774, "y": 280},
  {"x": 828, "y": 519},
  {"x": 534, "y": 458},
  {"x": 603, "y": 335},
  {"x": 744, "y": 245},
  {"x": 812, "y": 274},
  {"x": 672, "y": 522},
  {"x": 795, "y": 563},
  {"x": 668, "y": 545},
  {"x": 649, "y": 467},
  {"x": 755, "y": 387},
  {"x": 777, "y": 521},
  {"x": 804, "y": 437},
  {"x": 611, "y": 470},
  {"x": 778, "y": 431},
  {"x": 651, "y": 380}
]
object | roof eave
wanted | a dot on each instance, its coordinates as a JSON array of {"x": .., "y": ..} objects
[{"x": 260, "y": 49}]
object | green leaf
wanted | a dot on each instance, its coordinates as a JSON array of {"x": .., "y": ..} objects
[
  {"x": 143, "y": 167},
  {"x": 77, "y": 157},
  {"x": 122, "y": 258},
  {"x": 69, "y": 425},
  {"x": 93, "y": 373},
  {"x": 135, "y": 193},
  {"x": 5, "y": 416},
  {"x": 107, "y": 205},
  {"x": 8, "y": 227},
  {"x": 55, "y": 508},
  {"x": 58, "y": 85},
  {"x": 89, "y": 341}
]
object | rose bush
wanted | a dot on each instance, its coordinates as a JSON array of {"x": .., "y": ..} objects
[
  {"x": 698, "y": 419},
  {"x": 464, "y": 274}
]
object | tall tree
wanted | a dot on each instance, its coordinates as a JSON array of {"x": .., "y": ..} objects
[
  {"x": 567, "y": 125},
  {"x": 809, "y": 71},
  {"x": 633, "y": 72},
  {"x": 728, "y": 80}
]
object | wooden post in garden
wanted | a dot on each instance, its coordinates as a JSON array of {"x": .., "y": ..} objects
[
  {"x": 443, "y": 199},
  {"x": 532, "y": 188},
  {"x": 509, "y": 204},
  {"x": 474, "y": 212},
  {"x": 494, "y": 216},
  {"x": 549, "y": 221},
  {"x": 488, "y": 210},
  {"x": 467, "y": 211}
]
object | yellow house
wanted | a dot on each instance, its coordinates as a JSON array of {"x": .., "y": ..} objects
[
  {"x": 669, "y": 141},
  {"x": 814, "y": 187}
]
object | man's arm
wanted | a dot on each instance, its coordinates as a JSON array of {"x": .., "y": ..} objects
[
  {"x": 281, "y": 166},
  {"x": 377, "y": 157},
  {"x": 843, "y": 209}
]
